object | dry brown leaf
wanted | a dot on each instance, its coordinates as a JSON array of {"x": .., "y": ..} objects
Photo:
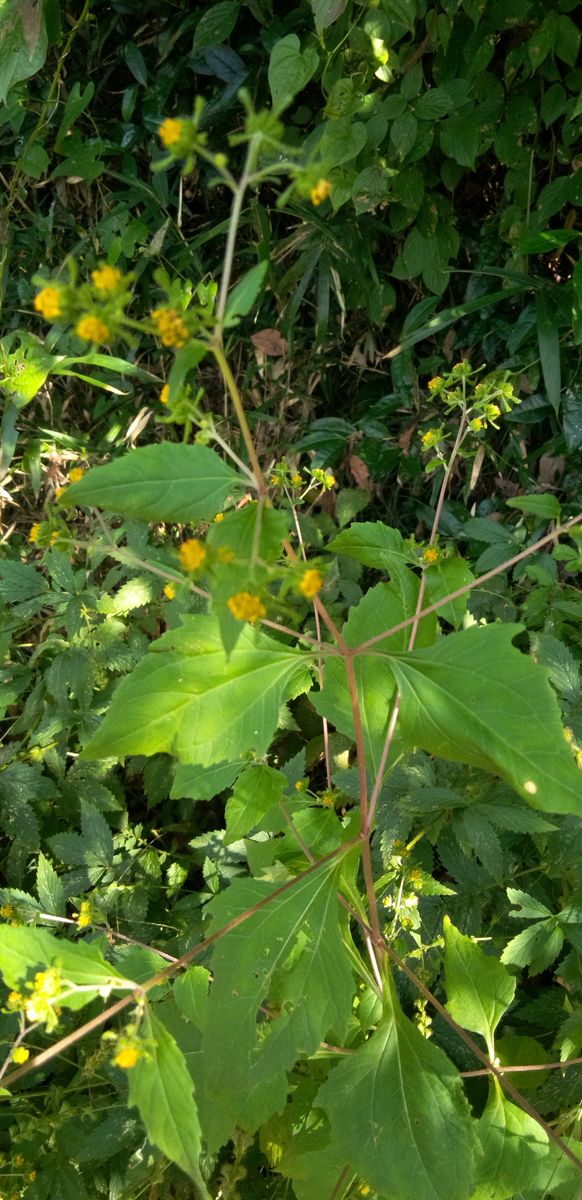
[
  {"x": 269, "y": 341},
  {"x": 359, "y": 471}
]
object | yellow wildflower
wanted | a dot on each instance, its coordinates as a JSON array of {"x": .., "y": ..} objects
[
  {"x": 48, "y": 303},
  {"x": 328, "y": 798},
  {"x": 492, "y": 411},
  {"x": 19, "y": 1160},
  {"x": 85, "y": 914},
  {"x": 311, "y": 583},
  {"x": 430, "y": 556},
  {"x": 219, "y": 517},
  {"x": 60, "y": 491},
  {"x": 47, "y": 983},
  {"x": 301, "y": 785},
  {"x": 364, "y": 1190},
  {"x": 127, "y": 1057},
  {"x": 54, "y": 537},
  {"x": 170, "y": 327},
  {"x": 328, "y": 480},
  {"x": 192, "y": 554},
  {"x": 169, "y": 590},
  {"x": 106, "y": 278},
  {"x": 477, "y": 424},
  {"x": 15, "y": 1001},
  {"x": 320, "y": 192},
  {"x": 431, "y": 438},
  {"x": 568, "y": 734},
  {"x": 30, "y": 1178},
  {"x": 170, "y": 131},
  {"x": 20, "y": 1054},
  {"x": 7, "y": 910},
  {"x": 435, "y": 383},
  {"x": 297, "y": 480},
  {"x": 76, "y": 474},
  {"x": 92, "y": 329},
  {"x": 34, "y": 532},
  {"x": 165, "y": 394},
  {"x": 246, "y": 606}
]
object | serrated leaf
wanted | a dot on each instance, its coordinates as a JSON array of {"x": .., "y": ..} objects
[
  {"x": 185, "y": 697},
  {"x": 203, "y": 783},
  {"x": 291, "y": 952},
  {"x": 474, "y": 698},
  {"x": 24, "y": 950},
  {"x": 164, "y": 482},
  {"x": 544, "y": 506},
  {"x": 255, "y": 792},
  {"x": 373, "y": 544},
  {"x": 535, "y": 947},
  {"x": 190, "y": 992},
  {"x": 162, "y": 1090},
  {"x": 400, "y": 1086},
  {"x": 515, "y": 1148},
  {"x": 382, "y": 607},
  {"x": 96, "y": 835},
  {"x": 479, "y": 987},
  {"x": 531, "y": 909},
  {"x": 49, "y": 887}
]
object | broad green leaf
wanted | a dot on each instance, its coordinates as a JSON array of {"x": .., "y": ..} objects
[
  {"x": 460, "y": 138},
  {"x": 24, "y": 950},
  {"x": 49, "y": 887},
  {"x": 162, "y": 1090},
  {"x": 24, "y": 42},
  {"x": 382, "y": 607},
  {"x": 253, "y": 532},
  {"x": 544, "y": 506},
  {"x": 516, "y": 1150},
  {"x": 255, "y": 792},
  {"x": 165, "y": 482},
  {"x": 186, "y": 698},
  {"x": 445, "y": 577},
  {"x": 474, "y": 698},
  {"x": 190, "y": 992},
  {"x": 549, "y": 347},
  {"x": 341, "y": 141},
  {"x": 326, "y": 12},
  {"x": 397, "y": 1109},
  {"x": 530, "y": 907},
  {"x": 479, "y": 987},
  {"x": 290, "y": 69},
  {"x": 203, "y": 783},
  {"x": 216, "y": 24},
  {"x": 289, "y": 954},
  {"x": 535, "y": 947},
  {"x": 374, "y": 545}
]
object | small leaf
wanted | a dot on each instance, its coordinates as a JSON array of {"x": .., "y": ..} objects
[
  {"x": 216, "y": 24},
  {"x": 162, "y": 1090},
  {"x": 203, "y": 783},
  {"x": 190, "y": 992},
  {"x": 544, "y": 506},
  {"x": 49, "y": 887},
  {"x": 164, "y": 482},
  {"x": 535, "y": 947},
  {"x": 245, "y": 292},
  {"x": 290, "y": 69},
  {"x": 479, "y": 987},
  {"x": 374, "y": 545},
  {"x": 255, "y": 792}
]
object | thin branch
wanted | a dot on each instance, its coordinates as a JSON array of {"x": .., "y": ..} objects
[{"x": 553, "y": 1066}]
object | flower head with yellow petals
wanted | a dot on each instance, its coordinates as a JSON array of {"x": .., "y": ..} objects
[
  {"x": 246, "y": 606},
  {"x": 92, "y": 329},
  {"x": 106, "y": 278},
  {"x": 47, "y": 302},
  {"x": 192, "y": 554}
]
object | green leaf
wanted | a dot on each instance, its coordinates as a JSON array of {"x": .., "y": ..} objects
[
  {"x": 341, "y": 141},
  {"x": 474, "y": 698},
  {"x": 24, "y": 42},
  {"x": 403, "y": 133},
  {"x": 382, "y": 607},
  {"x": 530, "y": 907},
  {"x": 185, "y": 697},
  {"x": 190, "y": 992},
  {"x": 515, "y": 1149},
  {"x": 289, "y": 954},
  {"x": 374, "y": 545},
  {"x": 252, "y": 532},
  {"x": 165, "y": 482},
  {"x": 397, "y": 1110},
  {"x": 535, "y": 947},
  {"x": 203, "y": 783},
  {"x": 162, "y": 1090},
  {"x": 549, "y": 347},
  {"x": 460, "y": 138},
  {"x": 216, "y": 24},
  {"x": 24, "y": 950},
  {"x": 544, "y": 506},
  {"x": 49, "y": 887},
  {"x": 255, "y": 792},
  {"x": 443, "y": 578},
  {"x": 326, "y": 12},
  {"x": 245, "y": 292},
  {"x": 479, "y": 987},
  {"x": 290, "y": 70}
]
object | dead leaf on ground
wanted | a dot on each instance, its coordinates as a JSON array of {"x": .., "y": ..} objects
[
  {"x": 359, "y": 471},
  {"x": 269, "y": 341},
  {"x": 406, "y": 437},
  {"x": 551, "y": 469}
]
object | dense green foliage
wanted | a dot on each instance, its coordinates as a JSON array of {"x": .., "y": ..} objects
[{"x": 291, "y": 706}]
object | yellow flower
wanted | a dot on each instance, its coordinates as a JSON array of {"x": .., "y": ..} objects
[
  {"x": 169, "y": 590},
  {"x": 19, "y": 1160},
  {"x": 170, "y": 327},
  {"x": 31, "y": 1176},
  {"x": 92, "y": 329},
  {"x": 320, "y": 192},
  {"x": 15, "y": 1001},
  {"x": 430, "y": 556},
  {"x": 47, "y": 983},
  {"x": 364, "y": 1190},
  {"x": 76, "y": 474},
  {"x": 301, "y": 785},
  {"x": 192, "y": 554},
  {"x": 48, "y": 303},
  {"x": 246, "y": 606},
  {"x": 85, "y": 914},
  {"x": 54, "y": 537},
  {"x": 127, "y": 1057},
  {"x": 434, "y": 384},
  {"x": 7, "y": 910},
  {"x": 20, "y": 1054},
  {"x": 106, "y": 278},
  {"x": 328, "y": 480},
  {"x": 170, "y": 131},
  {"x": 34, "y": 532},
  {"x": 476, "y": 424},
  {"x": 431, "y": 438},
  {"x": 311, "y": 583},
  {"x": 328, "y": 798},
  {"x": 165, "y": 394},
  {"x": 219, "y": 517},
  {"x": 297, "y": 480},
  {"x": 492, "y": 411},
  {"x": 60, "y": 491}
]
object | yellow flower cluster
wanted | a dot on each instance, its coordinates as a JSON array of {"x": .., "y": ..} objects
[
  {"x": 311, "y": 583},
  {"x": 430, "y": 556},
  {"x": 165, "y": 394},
  {"x": 7, "y": 911},
  {"x": 435, "y": 384},
  {"x": 127, "y": 1057},
  {"x": 34, "y": 532},
  {"x": 170, "y": 132},
  {"x": 106, "y": 279},
  {"x": 76, "y": 474},
  {"x": 92, "y": 329},
  {"x": 170, "y": 327},
  {"x": 39, "y": 1005},
  {"x": 192, "y": 554},
  {"x": 85, "y": 914},
  {"x": 431, "y": 438},
  {"x": 246, "y": 606},
  {"x": 20, "y": 1055},
  {"x": 48, "y": 303},
  {"x": 320, "y": 192},
  {"x": 169, "y": 590}
]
